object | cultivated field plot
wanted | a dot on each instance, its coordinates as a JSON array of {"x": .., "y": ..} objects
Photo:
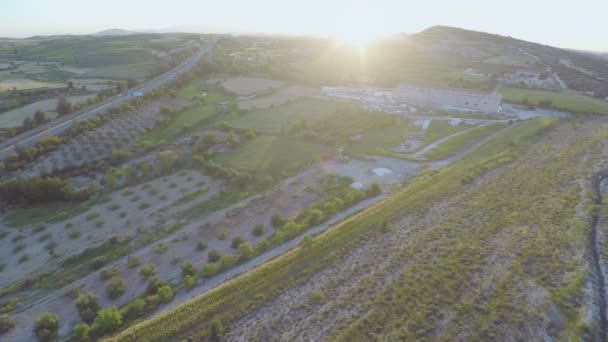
[
  {"x": 280, "y": 97},
  {"x": 280, "y": 118},
  {"x": 135, "y": 209},
  {"x": 22, "y": 84},
  {"x": 245, "y": 86},
  {"x": 14, "y": 118},
  {"x": 567, "y": 102},
  {"x": 118, "y": 133},
  {"x": 273, "y": 155}
]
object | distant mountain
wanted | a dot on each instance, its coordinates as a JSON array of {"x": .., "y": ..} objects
[{"x": 113, "y": 32}]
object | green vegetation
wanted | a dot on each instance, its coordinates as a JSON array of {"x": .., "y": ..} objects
[
  {"x": 567, "y": 102},
  {"x": 462, "y": 141},
  {"x": 237, "y": 297},
  {"x": 46, "y": 326},
  {"x": 186, "y": 119},
  {"x": 270, "y": 155}
]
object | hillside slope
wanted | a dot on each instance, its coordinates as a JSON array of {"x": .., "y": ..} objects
[{"x": 495, "y": 247}]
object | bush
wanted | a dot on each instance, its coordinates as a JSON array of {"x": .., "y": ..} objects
[
  {"x": 74, "y": 234},
  {"x": 6, "y": 323},
  {"x": 201, "y": 246},
  {"x": 109, "y": 272},
  {"x": 236, "y": 241},
  {"x": 161, "y": 248},
  {"x": 222, "y": 234},
  {"x": 226, "y": 261},
  {"x": 245, "y": 251},
  {"x": 116, "y": 287},
  {"x": 209, "y": 270},
  {"x": 147, "y": 271},
  {"x": 108, "y": 320},
  {"x": 133, "y": 261},
  {"x": 216, "y": 329},
  {"x": 87, "y": 307},
  {"x": 277, "y": 221},
  {"x": 165, "y": 294},
  {"x": 81, "y": 333},
  {"x": 134, "y": 309},
  {"x": 189, "y": 282},
  {"x": 46, "y": 326},
  {"x": 214, "y": 255},
  {"x": 258, "y": 230},
  {"x": 188, "y": 269}
]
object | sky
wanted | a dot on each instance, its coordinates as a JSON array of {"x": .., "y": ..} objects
[{"x": 580, "y": 24}]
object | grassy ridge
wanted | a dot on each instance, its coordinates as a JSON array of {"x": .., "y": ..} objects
[
  {"x": 568, "y": 102},
  {"x": 246, "y": 292}
]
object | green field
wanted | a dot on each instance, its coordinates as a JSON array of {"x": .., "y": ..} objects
[
  {"x": 272, "y": 120},
  {"x": 245, "y": 293},
  {"x": 185, "y": 120},
  {"x": 462, "y": 141},
  {"x": 272, "y": 155},
  {"x": 567, "y": 102}
]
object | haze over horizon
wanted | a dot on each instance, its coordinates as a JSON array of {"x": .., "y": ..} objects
[{"x": 541, "y": 21}]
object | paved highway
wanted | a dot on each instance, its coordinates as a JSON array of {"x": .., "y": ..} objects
[{"x": 63, "y": 123}]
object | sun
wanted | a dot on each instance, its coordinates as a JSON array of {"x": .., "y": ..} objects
[{"x": 357, "y": 38}]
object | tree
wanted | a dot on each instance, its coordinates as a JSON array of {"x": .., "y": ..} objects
[
  {"x": 165, "y": 294},
  {"x": 189, "y": 282},
  {"x": 64, "y": 106},
  {"x": 108, "y": 320},
  {"x": 46, "y": 326},
  {"x": 110, "y": 180},
  {"x": 245, "y": 251},
  {"x": 115, "y": 287},
  {"x": 209, "y": 270},
  {"x": 81, "y": 333},
  {"x": 188, "y": 269},
  {"x": 236, "y": 241},
  {"x": 28, "y": 123},
  {"x": 87, "y": 307},
  {"x": 6, "y": 323},
  {"x": 39, "y": 117}
]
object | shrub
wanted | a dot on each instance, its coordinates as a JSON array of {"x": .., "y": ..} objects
[
  {"x": 144, "y": 206},
  {"x": 134, "y": 309},
  {"x": 133, "y": 261},
  {"x": 108, "y": 320},
  {"x": 147, "y": 271},
  {"x": 24, "y": 258},
  {"x": 222, "y": 234},
  {"x": 209, "y": 270},
  {"x": 153, "y": 285},
  {"x": 245, "y": 251},
  {"x": 87, "y": 307},
  {"x": 226, "y": 261},
  {"x": 161, "y": 248},
  {"x": 74, "y": 234},
  {"x": 189, "y": 282},
  {"x": 214, "y": 255},
  {"x": 46, "y": 326},
  {"x": 68, "y": 225},
  {"x": 277, "y": 221},
  {"x": 236, "y": 241},
  {"x": 45, "y": 237},
  {"x": 201, "y": 246},
  {"x": 122, "y": 215},
  {"x": 81, "y": 333},
  {"x": 2, "y": 266},
  {"x": 116, "y": 287},
  {"x": 6, "y": 323},
  {"x": 216, "y": 329},
  {"x": 92, "y": 216},
  {"x": 99, "y": 223},
  {"x": 188, "y": 269},
  {"x": 39, "y": 227},
  {"x": 114, "y": 207},
  {"x": 165, "y": 294},
  {"x": 258, "y": 230},
  {"x": 109, "y": 272}
]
